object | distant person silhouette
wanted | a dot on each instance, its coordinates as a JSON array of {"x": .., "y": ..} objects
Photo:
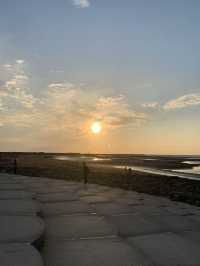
[
  {"x": 129, "y": 172},
  {"x": 15, "y": 166},
  {"x": 86, "y": 171},
  {"x": 128, "y": 175}
]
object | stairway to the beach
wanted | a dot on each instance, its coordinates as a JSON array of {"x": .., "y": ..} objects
[{"x": 57, "y": 223}]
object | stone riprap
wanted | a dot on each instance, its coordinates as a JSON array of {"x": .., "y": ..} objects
[{"x": 92, "y": 225}]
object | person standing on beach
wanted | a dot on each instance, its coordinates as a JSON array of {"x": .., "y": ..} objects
[
  {"x": 85, "y": 172},
  {"x": 128, "y": 175},
  {"x": 15, "y": 166}
]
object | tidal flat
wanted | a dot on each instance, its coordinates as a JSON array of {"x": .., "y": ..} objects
[{"x": 114, "y": 170}]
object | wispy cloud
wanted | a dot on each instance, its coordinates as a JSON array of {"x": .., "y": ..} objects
[
  {"x": 20, "y": 61},
  {"x": 151, "y": 105},
  {"x": 62, "y": 109},
  {"x": 7, "y": 66},
  {"x": 183, "y": 102},
  {"x": 14, "y": 92},
  {"x": 1, "y": 105},
  {"x": 81, "y": 3},
  {"x": 115, "y": 111},
  {"x": 72, "y": 102}
]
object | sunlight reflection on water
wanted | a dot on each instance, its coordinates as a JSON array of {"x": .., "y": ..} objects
[
  {"x": 81, "y": 158},
  {"x": 194, "y": 170}
]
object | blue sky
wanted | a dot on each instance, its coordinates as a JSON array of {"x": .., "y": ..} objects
[{"x": 140, "y": 56}]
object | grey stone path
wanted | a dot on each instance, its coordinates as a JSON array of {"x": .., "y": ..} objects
[{"x": 93, "y": 225}]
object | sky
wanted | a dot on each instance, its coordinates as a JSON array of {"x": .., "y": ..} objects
[{"x": 132, "y": 65}]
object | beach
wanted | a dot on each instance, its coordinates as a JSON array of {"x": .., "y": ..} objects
[{"x": 101, "y": 172}]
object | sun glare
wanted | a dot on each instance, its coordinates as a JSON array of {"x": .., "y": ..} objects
[{"x": 96, "y": 128}]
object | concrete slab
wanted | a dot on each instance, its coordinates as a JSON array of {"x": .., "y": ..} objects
[
  {"x": 19, "y": 207},
  {"x": 6, "y": 176},
  {"x": 96, "y": 187},
  {"x": 8, "y": 181},
  {"x": 150, "y": 210},
  {"x": 66, "y": 208},
  {"x": 76, "y": 227},
  {"x": 168, "y": 249},
  {"x": 196, "y": 218},
  {"x": 193, "y": 236},
  {"x": 177, "y": 210},
  {"x": 93, "y": 190},
  {"x": 19, "y": 255},
  {"x": 177, "y": 223},
  {"x": 101, "y": 252},
  {"x": 94, "y": 199},
  {"x": 195, "y": 210},
  {"x": 155, "y": 201},
  {"x": 63, "y": 182},
  {"x": 56, "y": 189},
  {"x": 12, "y": 186},
  {"x": 88, "y": 192},
  {"x": 18, "y": 229},
  {"x": 22, "y": 178},
  {"x": 16, "y": 195},
  {"x": 35, "y": 184},
  {"x": 57, "y": 197},
  {"x": 133, "y": 225},
  {"x": 138, "y": 224},
  {"x": 128, "y": 200},
  {"x": 113, "y": 194},
  {"x": 112, "y": 208}
]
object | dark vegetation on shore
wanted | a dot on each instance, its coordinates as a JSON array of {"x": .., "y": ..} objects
[{"x": 44, "y": 165}]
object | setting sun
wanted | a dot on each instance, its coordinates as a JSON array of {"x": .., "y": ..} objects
[{"x": 96, "y": 127}]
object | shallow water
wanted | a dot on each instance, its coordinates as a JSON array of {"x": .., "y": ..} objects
[
  {"x": 192, "y": 162},
  {"x": 194, "y": 170},
  {"x": 193, "y": 173},
  {"x": 185, "y": 175},
  {"x": 150, "y": 159},
  {"x": 82, "y": 158}
]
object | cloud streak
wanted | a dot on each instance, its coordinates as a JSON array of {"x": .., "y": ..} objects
[
  {"x": 183, "y": 102},
  {"x": 151, "y": 105},
  {"x": 81, "y": 3}
]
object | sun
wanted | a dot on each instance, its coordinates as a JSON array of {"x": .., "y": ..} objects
[{"x": 96, "y": 127}]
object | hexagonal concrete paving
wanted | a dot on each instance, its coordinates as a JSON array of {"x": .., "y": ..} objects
[
  {"x": 20, "y": 229},
  {"x": 19, "y": 207},
  {"x": 19, "y": 255},
  {"x": 66, "y": 208},
  {"x": 168, "y": 249},
  {"x": 99, "y": 226},
  {"x": 16, "y": 194},
  {"x": 78, "y": 226},
  {"x": 102, "y": 252}
]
